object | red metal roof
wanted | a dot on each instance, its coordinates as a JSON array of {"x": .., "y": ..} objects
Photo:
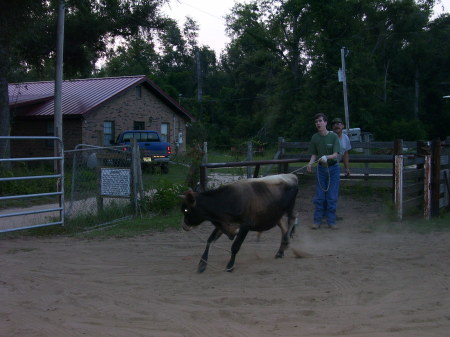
[{"x": 80, "y": 96}]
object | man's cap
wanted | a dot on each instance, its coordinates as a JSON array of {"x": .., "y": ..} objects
[{"x": 336, "y": 120}]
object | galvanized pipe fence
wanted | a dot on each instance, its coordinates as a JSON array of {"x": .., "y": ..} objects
[
  {"x": 56, "y": 211},
  {"x": 104, "y": 180}
]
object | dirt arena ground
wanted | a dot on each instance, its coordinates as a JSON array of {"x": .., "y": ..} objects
[{"x": 356, "y": 281}]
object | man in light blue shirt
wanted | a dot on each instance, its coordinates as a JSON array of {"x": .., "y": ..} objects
[{"x": 337, "y": 125}]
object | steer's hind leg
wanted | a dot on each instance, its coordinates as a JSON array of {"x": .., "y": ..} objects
[
  {"x": 204, "y": 259},
  {"x": 235, "y": 248},
  {"x": 286, "y": 233}
]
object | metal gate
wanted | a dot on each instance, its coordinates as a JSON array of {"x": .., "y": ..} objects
[{"x": 31, "y": 217}]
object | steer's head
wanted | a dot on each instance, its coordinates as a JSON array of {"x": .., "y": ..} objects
[{"x": 193, "y": 216}]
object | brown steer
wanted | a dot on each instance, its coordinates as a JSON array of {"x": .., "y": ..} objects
[{"x": 242, "y": 206}]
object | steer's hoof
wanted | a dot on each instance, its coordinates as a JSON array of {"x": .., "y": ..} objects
[
  {"x": 279, "y": 255},
  {"x": 230, "y": 267},
  {"x": 201, "y": 267}
]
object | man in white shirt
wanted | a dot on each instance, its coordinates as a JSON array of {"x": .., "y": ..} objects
[{"x": 337, "y": 125}]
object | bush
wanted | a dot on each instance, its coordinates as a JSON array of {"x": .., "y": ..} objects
[
  {"x": 164, "y": 199},
  {"x": 409, "y": 130},
  {"x": 16, "y": 187}
]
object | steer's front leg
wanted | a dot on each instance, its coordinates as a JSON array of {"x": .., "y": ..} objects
[
  {"x": 235, "y": 248},
  {"x": 204, "y": 259}
]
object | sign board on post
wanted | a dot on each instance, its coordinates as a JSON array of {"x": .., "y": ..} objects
[{"x": 115, "y": 182}]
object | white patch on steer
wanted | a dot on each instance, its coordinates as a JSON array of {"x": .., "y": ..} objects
[
  {"x": 288, "y": 178},
  {"x": 278, "y": 178}
]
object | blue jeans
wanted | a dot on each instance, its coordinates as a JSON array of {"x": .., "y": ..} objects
[{"x": 325, "y": 199}]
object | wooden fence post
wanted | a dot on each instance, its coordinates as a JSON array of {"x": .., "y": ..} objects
[
  {"x": 435, "y": 175},
  {"x": 398, "y": 182},
  {"x": 423, "y": 150},
  {"x": 135, "y": 162},
  {"x": 203, "y": 178},
  {"x": 204, "y": 170},
  {"x": 280, "y": 153},
  {"x": 397, "y": 150},
  {"x": 367, "y": 152},
  {"x": 249, "y": 158},
  {"x": 427, "y": 188}
]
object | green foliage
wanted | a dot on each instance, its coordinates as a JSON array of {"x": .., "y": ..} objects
[
  {"x": 163, "y": 199},
  {"x": 18, "y": 187},
  {"x": 279, "y": 69},
  {"x": 88, "y": 29},
  {"x": 404, "y": 129}
]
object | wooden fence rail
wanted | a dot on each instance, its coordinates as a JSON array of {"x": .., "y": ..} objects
[
  {"x": 418, "y": 171},
  {"x": 363, "y": 152}
]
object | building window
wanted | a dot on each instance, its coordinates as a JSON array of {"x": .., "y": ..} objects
[
  {"x": 139, "y": 91},
  {"x": 108, "y": 132},
  {"x": 165, "y": 132},
  {"x": 138, "y": 125}
]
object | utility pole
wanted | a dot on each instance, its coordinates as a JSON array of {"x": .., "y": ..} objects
[
  {"x": 199, "y": 80},
  {"x": 57, "y": 115},
  {"x": 199, "y": 77},
  {"x": 57, "y": 123},
  {"x": 344, "y": 53}
]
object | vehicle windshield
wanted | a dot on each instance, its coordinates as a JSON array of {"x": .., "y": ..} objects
[{"x": 141, "y": 136}]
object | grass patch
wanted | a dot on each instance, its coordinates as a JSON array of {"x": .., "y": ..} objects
[
  {"x": 411, "y": 224},
  {"x": 161, "y": 206},
  {"x": 436, "y": 224},
  {"x": 366, "y": 192},
  {"x": 94, "y": 228},
  {"x": 136, "y": 227}
]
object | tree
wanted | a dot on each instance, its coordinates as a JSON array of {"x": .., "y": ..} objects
[
  {"x": 135, "y": 58},
  {"x": 28, "y": 39},
  {"x": 12, "y": 13}
]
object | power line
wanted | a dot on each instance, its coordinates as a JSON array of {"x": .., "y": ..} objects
[{"x": 201, "y": 10}]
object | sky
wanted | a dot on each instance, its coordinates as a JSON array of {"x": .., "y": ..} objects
[{"x": 210, "y": 15}]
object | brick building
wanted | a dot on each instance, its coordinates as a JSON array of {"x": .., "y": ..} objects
[{"x": 95, "y": 111}]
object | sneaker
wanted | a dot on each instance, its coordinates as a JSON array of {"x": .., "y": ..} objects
[
  {"x": 315, "y": 226},
  {"x": 333, "y": 226}
]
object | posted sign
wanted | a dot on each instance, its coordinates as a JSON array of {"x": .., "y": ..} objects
[{"x": 115, "y": 182}]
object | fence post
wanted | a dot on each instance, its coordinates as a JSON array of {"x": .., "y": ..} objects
[
  {"x": 427, "y": 188},
  {"x": 205, "y": 152},
  {"x": 423, "y": 150},
  {"x": 249, "y": 158},
  {"x": 135, "y": 161},
  {"x": 203, "y": 181},
  {"x": 435, "y": 175},
  {"x": 280, "y": 153},
  {"x": 204, "y": 170},
  {"x": 398, "y": 190},
  {"x": 367, "y": 152},
  {"x": 397, "y": 150},
  {"x": 140, "y": 181}
]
